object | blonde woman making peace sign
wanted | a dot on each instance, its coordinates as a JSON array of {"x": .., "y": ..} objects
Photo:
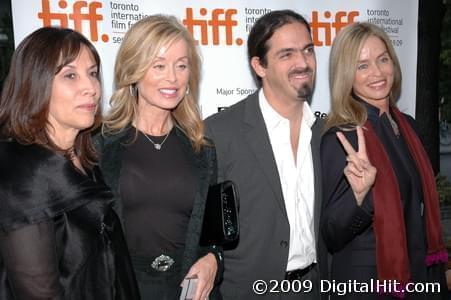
[{"x": 380, "y": 219}]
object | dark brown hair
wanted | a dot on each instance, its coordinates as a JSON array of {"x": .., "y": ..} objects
[
  {"x": 25, "y": 99},
  {"x": 262, "y": 31}
]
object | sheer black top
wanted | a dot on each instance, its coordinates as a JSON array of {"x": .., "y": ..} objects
[{"x": 158, "y": 189}]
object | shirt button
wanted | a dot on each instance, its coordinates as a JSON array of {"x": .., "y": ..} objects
[{"x": 284, "y": 244}]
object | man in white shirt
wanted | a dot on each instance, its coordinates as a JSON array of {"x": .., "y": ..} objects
[{"x": 268, "y": 144}]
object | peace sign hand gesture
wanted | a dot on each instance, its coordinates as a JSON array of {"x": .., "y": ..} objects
[{"x": 359, "y": 172}]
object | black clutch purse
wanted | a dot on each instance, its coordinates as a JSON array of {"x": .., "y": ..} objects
[{"x": 220, "y": 225}]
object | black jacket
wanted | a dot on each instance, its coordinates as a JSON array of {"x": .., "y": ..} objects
[
  {"x": 59, "y": 237},
  {"x": 348, "y": 228}
]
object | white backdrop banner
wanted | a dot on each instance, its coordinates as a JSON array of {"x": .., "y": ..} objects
[{"x": 221, "y": 28}]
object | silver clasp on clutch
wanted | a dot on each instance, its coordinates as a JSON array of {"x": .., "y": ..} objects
[{"x": 162, "y": 263}]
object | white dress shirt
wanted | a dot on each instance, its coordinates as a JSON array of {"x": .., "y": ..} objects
[{"x": 296, "y": 180}]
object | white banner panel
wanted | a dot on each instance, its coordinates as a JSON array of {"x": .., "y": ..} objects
[{"x": 221, "y": 28}]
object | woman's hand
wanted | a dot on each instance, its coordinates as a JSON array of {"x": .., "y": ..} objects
[
  {"x": 205, "y": 270},
  {"x": 359, "y": 172}
]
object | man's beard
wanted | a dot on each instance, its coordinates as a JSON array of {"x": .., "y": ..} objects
[{"x": 305, "y": 92}]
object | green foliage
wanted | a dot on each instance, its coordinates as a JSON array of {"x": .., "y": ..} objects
[
  {"x": 445, "y": 65},
  {"x": 444, "y": 189}
]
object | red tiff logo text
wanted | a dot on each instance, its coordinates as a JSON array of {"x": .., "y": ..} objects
[
  {"x": 216, "y": 27},
  {"x": 213, "y": 25},
  {"x": 47, "y": 15},
  {"x": 322, "y": 30}
]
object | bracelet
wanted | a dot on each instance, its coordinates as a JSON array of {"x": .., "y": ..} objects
[{"x": 217, "y": 254}]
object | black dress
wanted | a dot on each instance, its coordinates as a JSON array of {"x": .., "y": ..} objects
[
  {"x": 59, "y": 237},
  {"x": 347, "y": 228}
]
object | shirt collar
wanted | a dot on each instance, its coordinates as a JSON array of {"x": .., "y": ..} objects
[
  {"x": 273, "y": 118},
  {"x": 372, "y": 111},
  {"x": 307, "y": 115}
]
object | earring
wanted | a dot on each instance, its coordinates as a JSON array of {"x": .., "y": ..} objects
[
  {"x": 133, "y": 90},
  {"x": 187, "y": 90}
]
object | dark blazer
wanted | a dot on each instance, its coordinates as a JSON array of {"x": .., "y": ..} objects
[
  {"x": 111, "y": 149},
  {"x": 245, "y": 156},
  {"x": 57, "y": 228},
  {"x": 348, "y": 228}
]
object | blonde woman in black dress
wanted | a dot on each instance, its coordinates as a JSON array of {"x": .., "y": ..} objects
[{"x": 157, "y": 160}]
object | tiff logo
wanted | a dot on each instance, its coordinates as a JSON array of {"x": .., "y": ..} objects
[
  {"x": 211, "y": 25},
  {"x": 77, "y": 16},
  {"x": 338, "y": 21}
]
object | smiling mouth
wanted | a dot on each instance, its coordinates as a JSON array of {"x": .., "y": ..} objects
[
  {"x": 378, "y": 84},
  {"x": 303, "y": 76},
  {"x": 88, "y": 107},
  {"x": 168, "y": 92},
  {"x": 300, "y": 73}
]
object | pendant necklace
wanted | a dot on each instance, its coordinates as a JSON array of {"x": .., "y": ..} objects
[
  {"x": 157, "y": 146},
  {"x": 393, "y": 125}
]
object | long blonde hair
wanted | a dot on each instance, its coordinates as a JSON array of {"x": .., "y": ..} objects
[
  {"x": 139, "y": 48},
  {"x": 343, "y": 60}
]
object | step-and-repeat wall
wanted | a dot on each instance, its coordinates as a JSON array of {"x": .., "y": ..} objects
[{"x": 221, "y": 28}]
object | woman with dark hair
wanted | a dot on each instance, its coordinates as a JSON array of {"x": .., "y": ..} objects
[
  {"x": 381, "y": 218},
  {"x": 59, "y": 237}
]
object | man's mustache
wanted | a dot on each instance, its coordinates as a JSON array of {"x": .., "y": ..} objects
[{"x": 300, "y": 71}]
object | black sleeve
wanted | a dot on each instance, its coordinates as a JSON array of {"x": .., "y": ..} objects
[
  {"x": 30, "y": 259},
  {"x": 209, "y": 133},
  {"x": 216, "y": 250},
  {"x": 213, "y": 161},
  {"x": 342, "y": 219}
]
